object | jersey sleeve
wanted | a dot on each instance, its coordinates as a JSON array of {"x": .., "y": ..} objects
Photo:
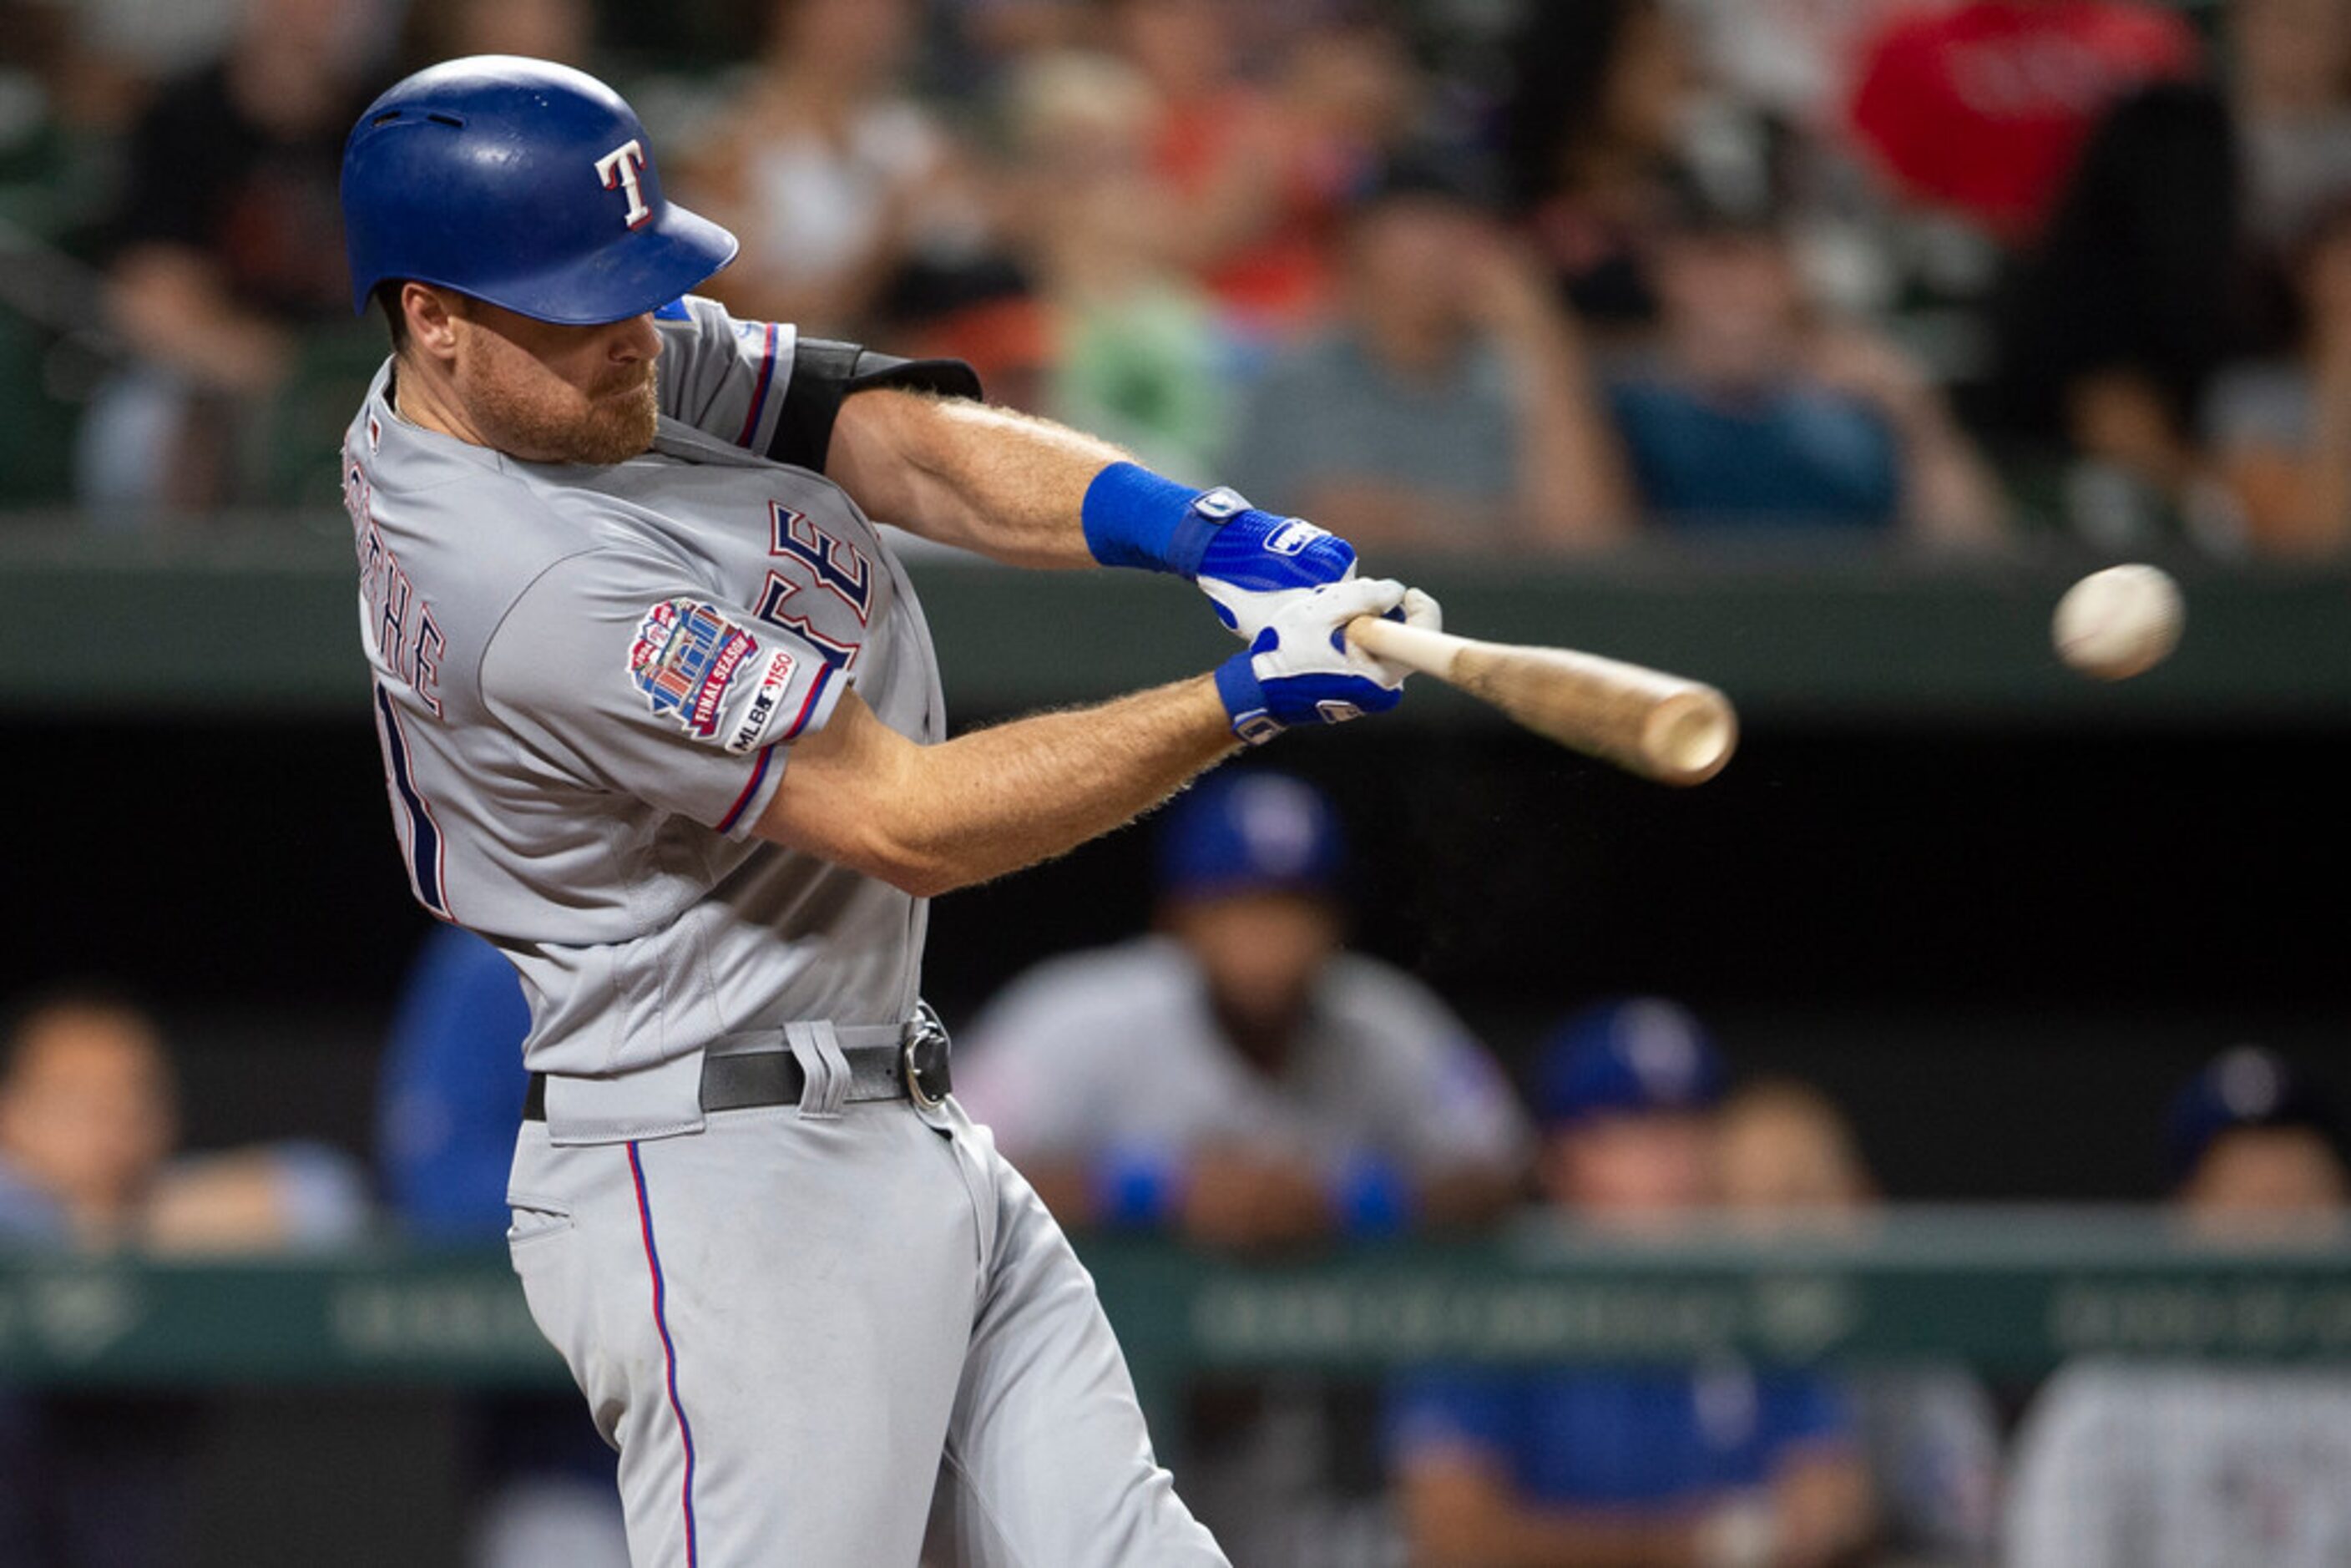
[
  {"x": 628, "y": 676},
  {"x": 1448, "y": 1106},
  {"x": 767, "y": 389},
  {"x": 2075, "y": 1491},
  {"x": 1026, "y": 1068}
]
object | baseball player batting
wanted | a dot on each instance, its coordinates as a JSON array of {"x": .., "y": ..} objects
[{"x": 661, "y": 719}]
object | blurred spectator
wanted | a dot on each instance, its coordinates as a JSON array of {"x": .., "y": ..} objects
[
  {"x": 1252, "y": 177},
  {"x": 1981, "y": 107},
  {"x": 2192, "y": 236},
  {"x": 837, "y": 182},
  {"x": 451, "y": 1102},
  {"x": 436, "y": 30},
  {"x": 1599, "y": 95},
  {"x": 1749, "y": 413},
  {"x": 1794, "y": 59},
  {"x": 2289, "y": 86},
  {"x": 1239, "y": 1080},
  {"x": 2279, "y": 430},
  {"x": 2108, "y": 327},
  {"x": 1929, "y": 1434},
  {"x": 88, "y": 1121},
  {"x": 227, "y": 261},
  {"x": 1608, "y": 1466},
  {"x": 1236, "y": 1075},
  {"x": 133, "y": 44},
  {"x": 1448, "y": 406},
  {"x": 2145, "y": 1465},
  {"x": 1135, "y": 349}
]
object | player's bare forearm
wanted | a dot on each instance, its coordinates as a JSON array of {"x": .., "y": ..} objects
[
  {"x": 1007, "y": 485},
  {"x": 931, "y": 819}
]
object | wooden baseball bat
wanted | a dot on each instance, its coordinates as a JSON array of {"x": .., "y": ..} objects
[{"x": 1660, "y": 726}]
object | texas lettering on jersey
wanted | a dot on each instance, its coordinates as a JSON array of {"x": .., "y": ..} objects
[{"x": 829, "y": 563}]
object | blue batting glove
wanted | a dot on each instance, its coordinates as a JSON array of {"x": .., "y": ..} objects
[
  {"x": 1301, "y": 669},
  {"x": 1250, "y": 563}
]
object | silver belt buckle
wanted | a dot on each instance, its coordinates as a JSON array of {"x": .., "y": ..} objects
[{"x": 924, "y": 1048}]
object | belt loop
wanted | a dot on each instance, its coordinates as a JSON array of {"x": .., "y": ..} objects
[{"x": 818, "y": 1050}]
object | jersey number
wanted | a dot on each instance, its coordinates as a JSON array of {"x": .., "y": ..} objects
[{"x": 420, "y": 835}]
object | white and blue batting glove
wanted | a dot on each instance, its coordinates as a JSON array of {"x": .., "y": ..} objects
[
  {"x": 1301, "y": 668},
  {"x": 1250, "y": 563}
]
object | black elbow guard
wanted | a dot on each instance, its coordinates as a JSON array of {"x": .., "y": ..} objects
[{"x": 825, "y": 373}]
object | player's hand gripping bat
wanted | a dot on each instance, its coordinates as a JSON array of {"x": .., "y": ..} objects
[{"x": 1660, "y": 726}]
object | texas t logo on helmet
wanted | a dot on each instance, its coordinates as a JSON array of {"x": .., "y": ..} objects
[{"x": 617, "y": 169}]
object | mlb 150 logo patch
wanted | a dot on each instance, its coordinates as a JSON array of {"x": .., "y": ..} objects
[
  {"x": 767, "y": 702},
  {"x": 684, "y": 656}
]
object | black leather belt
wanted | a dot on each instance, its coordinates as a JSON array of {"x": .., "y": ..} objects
[{"x": 917, "y": 1066}]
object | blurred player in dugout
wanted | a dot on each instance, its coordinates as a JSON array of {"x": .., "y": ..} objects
[
  {"x": 89, "y": 1161},
  {"x": 1788, "y": 1164},
  {"x": 2181, "y": 1465},
  {"x": 1720, "y": 1466},
  {"x": 1237, "y": 1079},
  {"x": 1235, "y": 1075}
]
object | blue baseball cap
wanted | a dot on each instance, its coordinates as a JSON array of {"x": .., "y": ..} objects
[
  {"x": 1249, "y": 831},
  {"x": 1626, "y": 1057},
  {"x": 2247, "y": 1086}
]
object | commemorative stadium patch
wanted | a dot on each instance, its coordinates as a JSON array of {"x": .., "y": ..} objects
[{"x": 684, "y": 657}]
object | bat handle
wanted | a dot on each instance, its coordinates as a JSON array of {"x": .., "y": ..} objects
[{"x": 1415, "y": 647}]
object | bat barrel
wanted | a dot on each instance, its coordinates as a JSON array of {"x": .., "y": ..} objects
[
  {"x": 1689, "y": 736},
  {"x": 1658, "y": 726}
]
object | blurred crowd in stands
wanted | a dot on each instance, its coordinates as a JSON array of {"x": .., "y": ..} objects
[
  {"x": 1236, "y": 1078},
  {"x": 1449, "y": 274}
]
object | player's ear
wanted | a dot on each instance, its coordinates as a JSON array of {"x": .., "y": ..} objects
[{"x": 432, "y": 315}]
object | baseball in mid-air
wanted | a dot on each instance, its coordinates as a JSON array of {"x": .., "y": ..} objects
[{"x": 2119, "y": 622}]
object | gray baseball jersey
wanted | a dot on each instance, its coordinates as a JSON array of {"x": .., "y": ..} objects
[
  {"x": 1118, "y": 1048},
  {"x": 2152, "y": 1466},
  {"x": 586, "y": 682},
  {"x": 810, "y": 1331}
]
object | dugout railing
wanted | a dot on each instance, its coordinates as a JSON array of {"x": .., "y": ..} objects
[{"x": 2012, "y": 1291}]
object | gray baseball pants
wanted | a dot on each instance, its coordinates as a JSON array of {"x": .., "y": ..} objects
[{"x": 812, "y": 1338}]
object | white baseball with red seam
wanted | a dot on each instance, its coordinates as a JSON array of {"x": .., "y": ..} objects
[{"x": 2119, "y": 622}]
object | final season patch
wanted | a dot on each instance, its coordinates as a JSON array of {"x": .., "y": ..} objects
[{"x": 685, "y": 655}]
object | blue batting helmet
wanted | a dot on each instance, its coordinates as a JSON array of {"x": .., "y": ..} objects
[{"x": 527, "y": 184}]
